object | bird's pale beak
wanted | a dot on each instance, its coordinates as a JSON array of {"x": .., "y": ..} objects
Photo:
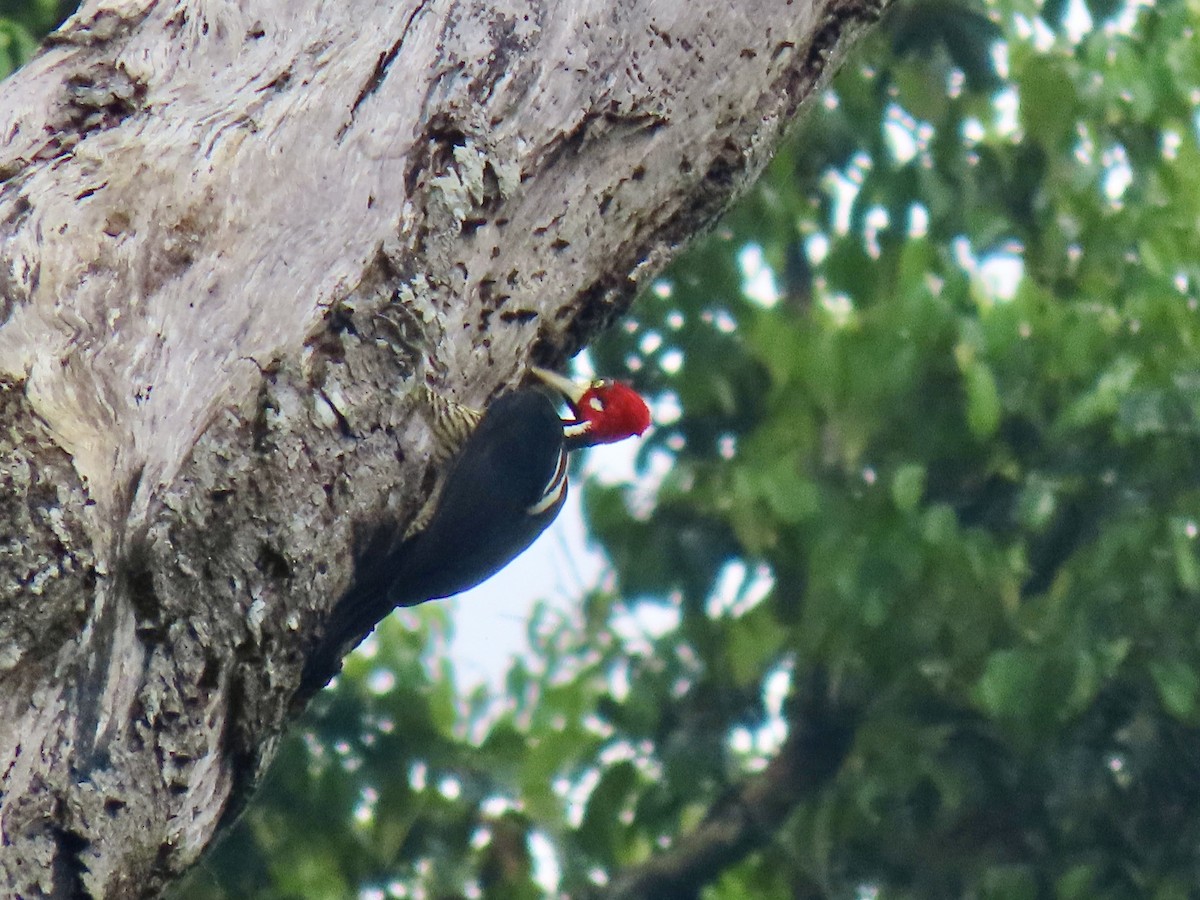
[{"x": 565, "y": 386}]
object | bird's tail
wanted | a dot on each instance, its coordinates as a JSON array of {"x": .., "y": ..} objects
[{"x": 378, "y": 572}]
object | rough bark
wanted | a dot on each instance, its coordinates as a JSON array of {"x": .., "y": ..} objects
[{"x": 233, "y": 237}]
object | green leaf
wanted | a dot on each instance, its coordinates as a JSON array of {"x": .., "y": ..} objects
[
  {"x": 1183, "y": 542},
  {"x": 601, "y": 828},
  {"x": 1077, "y": 883},
  {"x": 908, "y": 486},
  {"x": 790, "y": 497},
  {"x": 754, "y": 639},
  {"x": 1010, "y": 882},
  {"x": 17, "y": 45},
  {"x": 1106, "y": 398},
  {"x": 983, "y": 400},
  {"x": 1010, "y": 684},
  {"x": 1038, "y": 503},
  {"x": 1178, "y": 686}
]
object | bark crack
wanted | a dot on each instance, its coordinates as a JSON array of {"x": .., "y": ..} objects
[{"x": 381, "y": 69}]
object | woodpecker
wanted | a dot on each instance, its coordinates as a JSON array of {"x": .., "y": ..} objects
[{"x": 506, "y": 484}]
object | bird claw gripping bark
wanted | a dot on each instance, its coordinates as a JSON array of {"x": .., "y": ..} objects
[{"x": 452, "y": 423}]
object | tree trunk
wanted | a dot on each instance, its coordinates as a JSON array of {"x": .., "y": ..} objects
[{"x": 234, "y": 238}]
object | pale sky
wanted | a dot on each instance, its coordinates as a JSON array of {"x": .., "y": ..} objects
[{"x": 490, "y": 620}]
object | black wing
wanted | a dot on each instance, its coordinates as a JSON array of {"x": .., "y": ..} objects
[{"x": 506, "y": 485}]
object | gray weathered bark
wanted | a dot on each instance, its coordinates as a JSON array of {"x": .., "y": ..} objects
[{"x": 233, "y": 236}]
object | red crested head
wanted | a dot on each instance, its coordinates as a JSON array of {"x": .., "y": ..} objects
[
  {"x": 605, "y": 411},
  {"x": 613, "y": 411}
]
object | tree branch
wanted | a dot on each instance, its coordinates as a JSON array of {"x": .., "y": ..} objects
[{"x": 748, "y": 818}]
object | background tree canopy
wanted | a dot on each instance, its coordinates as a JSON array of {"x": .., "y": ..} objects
[{"x": 923, "y": 492}]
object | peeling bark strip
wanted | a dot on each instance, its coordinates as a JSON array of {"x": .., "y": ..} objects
[{"x": 233, "y": 238}]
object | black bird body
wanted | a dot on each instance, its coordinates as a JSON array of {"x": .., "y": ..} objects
[{"x": 506, "y": 485}]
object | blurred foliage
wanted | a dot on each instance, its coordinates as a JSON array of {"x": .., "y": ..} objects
[
  {"x": 25, "y": 22},
  {"x": 929, "y": 404}
]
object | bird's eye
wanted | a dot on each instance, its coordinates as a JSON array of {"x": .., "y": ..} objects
[{"x": 597, "y": 404}]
